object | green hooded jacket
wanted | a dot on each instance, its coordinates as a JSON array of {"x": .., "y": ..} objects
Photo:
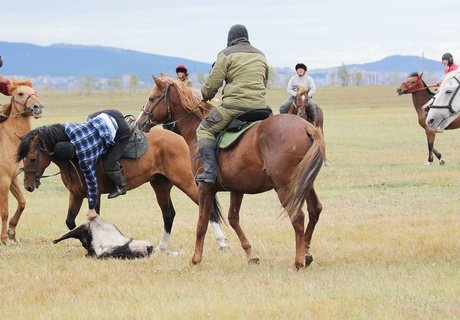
[{"x": 245, "y": 72}]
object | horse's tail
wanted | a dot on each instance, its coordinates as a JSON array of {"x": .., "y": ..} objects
[
  {"x": 216, "y": 213},
  {"x": 304, "y": 174}
]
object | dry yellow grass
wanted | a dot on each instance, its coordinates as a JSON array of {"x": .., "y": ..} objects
[{"x": 386, "y": 246}]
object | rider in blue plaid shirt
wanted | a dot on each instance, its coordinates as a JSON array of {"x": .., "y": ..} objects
[{"x": 105, "y": 134}]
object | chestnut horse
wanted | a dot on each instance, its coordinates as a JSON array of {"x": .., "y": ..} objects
[
  {"x": 165, "y": 163},
  {"x": 299, "y": 107},
  {"x": 283, "y": 152},
  {"x": 15, "y": 122},
  {"x": 421, "y": 95}
]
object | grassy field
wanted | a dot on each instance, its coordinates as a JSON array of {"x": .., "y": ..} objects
[{"x": 386, "y": 246}]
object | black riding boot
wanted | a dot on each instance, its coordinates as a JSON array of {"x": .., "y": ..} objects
[
  {"x": 208, "y": 154},
  {"x": 311, "y": 112},
  {"x": 119, "y": 182}
]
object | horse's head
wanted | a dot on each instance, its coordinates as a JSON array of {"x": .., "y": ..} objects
[
  {"x": 301, "y": 101},
  {"x": 24, "y": 98},
  {"x": 36, "y": 158},
  {"x": 412, "y": 84},
  {"x": 446, "y": 105},
  {"x": 157, "y": 108}
]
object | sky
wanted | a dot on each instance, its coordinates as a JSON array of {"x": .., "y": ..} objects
[{"x": 321, "y": 34}]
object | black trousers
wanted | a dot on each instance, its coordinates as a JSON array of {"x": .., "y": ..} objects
[{"x": 110, "y": 159}]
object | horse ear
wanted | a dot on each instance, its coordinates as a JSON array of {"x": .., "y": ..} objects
[
  {"x": 421, "y": 74},
  {"x": 158, "y": 82}
]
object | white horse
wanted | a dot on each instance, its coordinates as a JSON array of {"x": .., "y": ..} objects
[{"x": 445, "y": 107}]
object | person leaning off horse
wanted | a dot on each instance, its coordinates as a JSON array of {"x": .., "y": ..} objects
[
  {"x": 301, "y": 78},
  {"x": 4, "y": 82},
  {"x": 104, "y": 135},
  {"x": 245, "y": 72}
]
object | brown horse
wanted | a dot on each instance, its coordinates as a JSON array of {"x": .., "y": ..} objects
[
  {"x": 15, "y": 122},
  {"x": 165, "y": 163},
  {"x": 299, "y": 107},
  {"x": 421, "y": 95},
  {"x": 283, "y": 152}
]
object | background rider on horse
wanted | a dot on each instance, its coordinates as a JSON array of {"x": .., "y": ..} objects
[{"x": 301, "y": 78}]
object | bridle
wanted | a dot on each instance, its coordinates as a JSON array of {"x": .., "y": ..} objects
[
  {"x": 151, "y": 123},
  {"x": 25, "y": 108},
  {"x": 36, "y": 170},
  {"x": 149, "y": 114},
  {"x": 449, "y": 106},
  {"x": 409, "y": 90}
]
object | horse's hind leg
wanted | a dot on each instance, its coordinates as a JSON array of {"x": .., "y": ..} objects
[
  {"x": 234, "y": 220},
  {"x": 314, "y": 209},
  {"x": 298, "y": 223},
  {"x": 162, "y": 187},
  {"x": 17, "y": 193}
]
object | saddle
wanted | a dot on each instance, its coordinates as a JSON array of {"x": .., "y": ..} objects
[
  {"x": 227, "y": 138},
  {"x": 137, "y": 145}
]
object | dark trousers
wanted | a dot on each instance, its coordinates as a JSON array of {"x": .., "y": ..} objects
[{"x": 110, "y": 159}]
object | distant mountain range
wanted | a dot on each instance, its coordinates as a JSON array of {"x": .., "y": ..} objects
[{"x": 64, "y": 60}]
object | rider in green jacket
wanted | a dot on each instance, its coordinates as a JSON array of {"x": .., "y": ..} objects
[{"x": 245, "y": 72}]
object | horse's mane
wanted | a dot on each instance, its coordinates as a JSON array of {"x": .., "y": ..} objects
[
  {"x": 451, "y": 75},
  {"x": 49, "y": 135},
  {"x": 301, "y": 89},
  {"x": 5, "y": 112},
  {"x": 190, "y": 98},
  {"x": 12, "y": 86}
]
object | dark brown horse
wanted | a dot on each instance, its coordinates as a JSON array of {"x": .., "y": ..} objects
[
  {"x": 15, "y": 122},
  {"x": 421, "y": 95},
  {"x": 299, "y": 107},
  {"x": 283, "y": 152},
  {"x": 165, "y": 163}
]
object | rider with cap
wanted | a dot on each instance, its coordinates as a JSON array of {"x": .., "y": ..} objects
[
  {"x": 301, "y": 78},
  {"x": 449, "y": 65},
  {"x": 245, "y": 72},
  {"x": 4, "y": 82},
  {"x": 182, "y": 75}
]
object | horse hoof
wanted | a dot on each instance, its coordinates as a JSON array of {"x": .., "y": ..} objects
[
  {"x": 194, "y": 262},
  {"x": 225, "y": 247},
  {"x": 308, "y": 259},
  {"x": 11, "y": 235},
  {"x": 428, "y": 163},
  {"x": 254, "y": 260},
  {"x": 442, "y": 162}
]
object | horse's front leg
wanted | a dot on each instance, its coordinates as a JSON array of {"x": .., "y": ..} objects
[
  {"x": 4, "y": 211},
  {"x": 430, "y": 137},
  {"x": 314, "y": 209},
  {"x": 206, "y": 194},
  {"x": 73, "y": 210},
  {"x": 17, "y": 193},
  {"x": 234, "y": 220}
]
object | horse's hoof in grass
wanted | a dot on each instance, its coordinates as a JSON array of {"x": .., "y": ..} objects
[
  {"x": 11, "y": 235},
  {"x": 308, "y": 259},
  {"x": 428, "y": 163},
  {"x": 442, "y": 162},
  {"x": 254, "y": 260}
]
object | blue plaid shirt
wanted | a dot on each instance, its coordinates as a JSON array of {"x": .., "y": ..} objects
[{"x": 90, "y": 140}]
